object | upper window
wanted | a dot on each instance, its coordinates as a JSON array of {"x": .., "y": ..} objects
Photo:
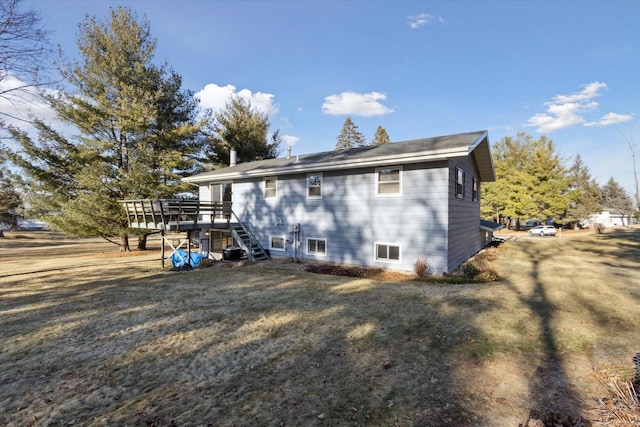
[
  {"x": 314, "y": 186},
  {"x": 459, "y": 183},
  {"x": 270, "y": 188},
  {"x": 387, "y": 252},
  {"x": 475, "y": 188},
  {"x": 389, "y": 181},
  {"x": 317, "y": 246}
]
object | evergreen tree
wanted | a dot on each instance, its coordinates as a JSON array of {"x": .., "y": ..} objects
[
  {"x": 530, "y": 180},
  {"x": 381, "y": 137},
  {"x": 585, "y": 193},
  {"x": 350, "y": 136},
  {"x": 10, "y": 200},
  {"x": 137, "y": 133},
  {"x": 241, "y": 127},
  {"x": 615, "y": 197}
]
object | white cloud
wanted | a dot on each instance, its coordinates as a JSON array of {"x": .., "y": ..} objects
[
  {"x": 422, "y": 19},
  {"x": 290, "y": 139},
  {"x": 568, "y": 110},
  {"x": 611, "y": 119},
  {"x": 216, "y": 97},
  {"x": 356, "y": 104}
]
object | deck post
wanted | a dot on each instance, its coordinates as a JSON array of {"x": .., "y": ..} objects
[
  {"x": 162, "y": 247},
  {"x": 189, "y": 248}
]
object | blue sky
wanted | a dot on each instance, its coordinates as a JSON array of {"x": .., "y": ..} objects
[{"x": 564, "y": 69}]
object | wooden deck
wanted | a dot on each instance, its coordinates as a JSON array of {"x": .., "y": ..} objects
[{"x": 175, "y": 214}]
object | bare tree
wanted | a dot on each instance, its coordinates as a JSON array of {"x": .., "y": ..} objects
[
  {"x": 632, "y": 147},
  {"x": 24, "y": 51}
]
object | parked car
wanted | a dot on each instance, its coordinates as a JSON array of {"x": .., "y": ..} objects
[{"x": 543, "y": 230}]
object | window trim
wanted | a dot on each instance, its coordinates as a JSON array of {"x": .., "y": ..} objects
[
  {"x": 459, "y": 195},
  {"x": 388, "y": 260},
  {"x": 475, "y": 189},
  {"x": 377, "y": 180},
  {"x": 321, "y": 175},
  {"x": 275, "y": 188},
  {"x": 308, "y": 252},
  {"x": 284, "y": 242}
]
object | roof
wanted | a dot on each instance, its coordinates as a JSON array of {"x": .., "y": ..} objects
[
  {"x": 397, "y": 153},
  {"x": 487, "y": 225}
]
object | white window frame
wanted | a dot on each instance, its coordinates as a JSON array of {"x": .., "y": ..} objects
[
  {"x": 275, "y": 188},
  {"x": 316, "y": 252},
  {"x": 378, "y": 182},
  {"x": 475, "y": 189},
  {"x": 393, "y": 261},
  {"x": 309, "y": 175},
  {"x": 284, "y": 243},
  {"x": 459, "y": 171}
]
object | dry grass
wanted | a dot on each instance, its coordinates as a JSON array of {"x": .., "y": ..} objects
[{"x": 90, "y": 339}]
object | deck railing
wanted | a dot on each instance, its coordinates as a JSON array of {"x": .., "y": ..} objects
[{"x": 173, "y": 214}]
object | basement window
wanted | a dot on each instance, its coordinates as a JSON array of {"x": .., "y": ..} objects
[
  {"x": 316, "y": 246},
  {"x": 387, "y": 252},
  {"x": 276, "y": 243}
]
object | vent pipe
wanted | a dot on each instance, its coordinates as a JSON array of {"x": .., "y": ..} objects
[{"x": 233, "y": 157}]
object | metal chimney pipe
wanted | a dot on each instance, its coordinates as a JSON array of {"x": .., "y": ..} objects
[{"x": 233, "y": 157}]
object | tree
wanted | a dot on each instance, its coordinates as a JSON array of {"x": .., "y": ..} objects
[
  {"x": 23, "y": 52},
  {"x": 530, "y": 180},
  {"x": 350, "y": 136},
  {"x": 632, "y": 147},
  {"x": 10, "y": 200},
  {"x": 615, "y": 197},
  {"x": 381, "y": 137},
  {"x": 136, "y": 133},
  {"x": 585, "y": 193},
  {"x": 245, "y": 129}
]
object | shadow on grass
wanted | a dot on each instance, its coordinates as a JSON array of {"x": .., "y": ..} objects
[{"x": 234, "y": 347}]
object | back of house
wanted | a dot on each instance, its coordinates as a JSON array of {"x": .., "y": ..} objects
[{"x": 385, "y": 206}]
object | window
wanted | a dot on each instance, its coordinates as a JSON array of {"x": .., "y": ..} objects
[
  {"x": 270, "y": 188},
  {"x": 387, "y": 252},
  {"x": 459, "y": 183},
  {"x": 475, "y": 187},
  {"x": 316, "y": 246},
  {"x": 388, "y": 181},
  {"x": 276, "y": 243},
  {"x": 314, "y": 186}
]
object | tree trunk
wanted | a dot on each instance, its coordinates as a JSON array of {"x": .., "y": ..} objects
[
  {"x": 1, "y": 233},
  {"x": 124, "y": 243},
  {"x": 142, "y": 242}
]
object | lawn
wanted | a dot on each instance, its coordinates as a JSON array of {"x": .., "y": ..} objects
[{"x": 89, "y": 337}]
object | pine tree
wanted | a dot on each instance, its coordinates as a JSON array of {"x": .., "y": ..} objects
[
  {"x": 10, "y": 199},
  {"x": 530, "y": 180},
  {"x": 381, "y": 137},
  {"x": 585, "y": 193},
  {"x": 137, "y": 133},
  {"x": 350, "y": 136},
  {"x": 241, "y": 127},
  {"x": 615, "y": 197}
]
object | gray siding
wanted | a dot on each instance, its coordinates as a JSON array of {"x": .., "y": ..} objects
[
  {"x": 465, "y": 236},
  {"x": 351, "y": 218}
]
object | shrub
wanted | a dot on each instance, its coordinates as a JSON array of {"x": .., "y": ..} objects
[
  {"x": 469, "y": 270},
  {"x": 422, "y": 268},
  {"x": 205, "y": 263}
]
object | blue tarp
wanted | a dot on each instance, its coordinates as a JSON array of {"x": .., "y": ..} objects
[{"x": 180, "y": 258}]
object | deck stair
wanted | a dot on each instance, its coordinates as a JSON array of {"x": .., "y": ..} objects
[{"x": 248, "y": 242}]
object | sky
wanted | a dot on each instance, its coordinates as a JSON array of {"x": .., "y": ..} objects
[{"x": 564, "y": 69}]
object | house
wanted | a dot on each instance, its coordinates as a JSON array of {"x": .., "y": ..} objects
[
  {"x": 385, "y": 206},
  {"x": 609, "y": 218}
]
